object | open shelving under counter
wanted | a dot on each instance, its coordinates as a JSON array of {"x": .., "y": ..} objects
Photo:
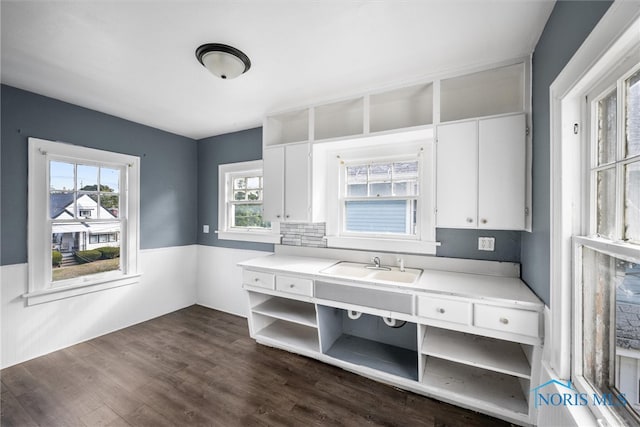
[
  {"x": 300, "y": 338},
  {"x": 289, "y": 310},
  {"x": 485, "y": 387},
  {"x": 474, "y": 350},
  {"x": 478, "y": 346},
  {"x": 284, "y": 322}
]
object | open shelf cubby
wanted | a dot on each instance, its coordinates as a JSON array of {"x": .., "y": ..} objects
[
  {"x": 368, "y": 341},
  {"x": 293, "y": 335},
  {"x": 497, "y": 389},
  {"x": 287, "y": 128},
  {"x": 401, "y": 108},
  {"x": 496, "y": 91},
  {"x": 339, "y": 119},
  {"x": 483, "y": 352},
  {"x": 299, "y": 312}
]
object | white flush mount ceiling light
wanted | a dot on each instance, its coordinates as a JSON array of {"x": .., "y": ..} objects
[{"x": 223, "y": 61}]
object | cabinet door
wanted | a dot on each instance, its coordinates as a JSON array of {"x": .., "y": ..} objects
[
  {"x": 297, "y": 186},
  {"x": 501, "y": 174},
  {"x": 273, "y": 182},
  {"x": 457, "y": 175}
]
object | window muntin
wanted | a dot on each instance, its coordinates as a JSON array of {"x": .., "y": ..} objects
[
  {"x": 240, "y": 204},
  {"x": 245, "y": 206},
  {"x": 615, "y": 169},
  {"x": 381, "y": 197},
  {"x": 84, "y": 203}
]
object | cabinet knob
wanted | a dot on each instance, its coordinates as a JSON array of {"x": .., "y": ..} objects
[
  {"x": 256, "y": 279},
  {"x": 504, "y": 320},
  {"x": 469, "y": 220},
  {"x": 292, "y": 285},
  {"x": 440, "y": 310},
  {"x": 484, "y": 221},
  {"x": 277, "y": 216},
  {"x": 286, "y": 216}
]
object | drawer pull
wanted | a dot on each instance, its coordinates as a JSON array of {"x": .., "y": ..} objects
[
  {"x": 440, "y": 310},
  {"x": 256, "y": 279},
  {"x": 504, "y": 320},
  {"x": 292, "y": 285},
  {"x": 469, "y": 220}
]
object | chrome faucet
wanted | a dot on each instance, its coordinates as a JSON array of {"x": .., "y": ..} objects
[{"x": 377, "y": 265}]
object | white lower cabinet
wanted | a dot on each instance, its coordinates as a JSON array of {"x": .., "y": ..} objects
[{"x": 460, "y": 350}]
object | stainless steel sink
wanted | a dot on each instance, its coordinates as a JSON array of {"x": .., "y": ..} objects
[{"x": 352, "y": 270}]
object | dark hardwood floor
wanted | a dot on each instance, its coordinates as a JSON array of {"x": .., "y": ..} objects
[{"x": 199, "y": 367}]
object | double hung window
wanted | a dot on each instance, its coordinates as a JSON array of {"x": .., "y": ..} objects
[
  {"x": 83, "y": 220},
  {"x": 380, "y": 196},
  {"x": 240, "y": 210},
  {"x": 607, "y": 259}
]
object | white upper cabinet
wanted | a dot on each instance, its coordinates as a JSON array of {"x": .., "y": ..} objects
[
  {"x": 481, "y": 174},
  {"x": 273, "y": 183},
  {"x": 457, "y": 175},
  {"x": 297, "y": 183},
  {"x": 287, "y": 183},
  {"x": 501, "y": 173}
]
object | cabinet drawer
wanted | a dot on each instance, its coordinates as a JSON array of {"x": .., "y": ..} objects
[
  {"x": 444, "y": 309},
  {"x": 513, "y": 320},
  {"x": 258, "y": 279},
  {"x": 294, "y": 285}
]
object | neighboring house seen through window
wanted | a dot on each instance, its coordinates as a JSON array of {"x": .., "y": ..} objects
[{"x": 83, "y": 221}]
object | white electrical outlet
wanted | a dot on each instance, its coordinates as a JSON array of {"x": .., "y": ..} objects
[
  {"x": 486, "y": 243},
  {"x": 205, "y": 228}
]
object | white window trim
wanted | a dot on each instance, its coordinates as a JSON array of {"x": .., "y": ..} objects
[
  {"x": 424, "y": 242},
  {"x": 607, "y": 44},
  {"x": 225, "y": 232},
  {"x": 40, "y": 287}
]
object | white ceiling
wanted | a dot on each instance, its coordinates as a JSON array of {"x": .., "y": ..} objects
[{"x": 135, "y": 59}]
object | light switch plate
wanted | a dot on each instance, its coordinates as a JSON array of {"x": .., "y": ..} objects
[{"x": 486, "y": 243}]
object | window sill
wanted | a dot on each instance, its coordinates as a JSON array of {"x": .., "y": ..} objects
[
  {"x": 249, "y": 236},
  {"x": 62, "y": 292},
  {"x": 381, "y": 244}
]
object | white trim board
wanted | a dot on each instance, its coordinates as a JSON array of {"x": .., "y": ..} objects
[
  {"x": 33, "y": 331},
  {"x": 219, "y": 279},
  {"x": 607, "y": 42}
]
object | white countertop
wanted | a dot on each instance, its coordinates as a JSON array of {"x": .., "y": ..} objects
[{"x": 508, "y": 290}]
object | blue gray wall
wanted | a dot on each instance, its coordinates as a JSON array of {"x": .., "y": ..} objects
[
  {"x": 168, "y": 178},
  {"x": 568, "y": 26},
  {"x": 234, "y": 147}
]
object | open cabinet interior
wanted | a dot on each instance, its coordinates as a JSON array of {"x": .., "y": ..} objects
[{"x": 369, "y": 341}]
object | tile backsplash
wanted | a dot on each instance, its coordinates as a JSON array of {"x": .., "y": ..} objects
[{"x": 304, "y": 234}]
